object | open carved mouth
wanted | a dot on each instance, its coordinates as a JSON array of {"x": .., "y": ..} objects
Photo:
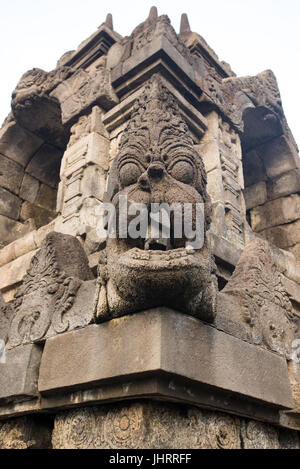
[
  {"x": 155, "y": 244},
  {"x": 161, "y": 250}
]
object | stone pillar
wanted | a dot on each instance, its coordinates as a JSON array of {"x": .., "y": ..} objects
[
  {"x": 83, "y": 175},
  {"x": 222, "y": 156}
]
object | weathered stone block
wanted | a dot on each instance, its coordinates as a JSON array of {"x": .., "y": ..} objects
[
  {"x": 296, "y": 250},
  {"x": 46, "y": 197},
  {"x": 13, "y": 273},
  {"x": 279, "y": 156},
  {"x": 11, "y": 174},
  {"x": 254, "y": 170},
  {"x": 11, "y": 230},
  {"x": 25, "y": 244},
  {"x": 283, "y": 236},
  {"x": 215, "y": 186},
  {"x": 6, "y": 313},
  {"x": 39, "y": 215},
  {"x": 163, "y": 341},
  {"x": 83, "y": 90},
  {"x": 30, "y": 432},
  {"x": 114, "y": 55},
  {"x": 92, "y": 149},
  {"x": 255, "y": 195},
  {"x": 212, "y": 131},
  {"x": 41, "y": 234},
  {"x": 29, "y": 188},
  {"x": 9, "y": 295},
  {"x": 18, "y": 144},
  {"x": 159, "y": 46},
  {"x": 9, "y": 204},
  {"x": 45, "y": 165},
  {"x": 93, "y": 183},
  {"x": 286, "y": 184},
  {"x": 19, "y": 374},
  {"x": 210, "y": 153},
  {"x": 275, "y": 213}
]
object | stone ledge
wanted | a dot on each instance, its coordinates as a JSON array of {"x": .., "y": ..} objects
[
  {"x": 163, "y": 342},
  {"x": 121, "y": 112},
  {"x": 129, "y": 74}
]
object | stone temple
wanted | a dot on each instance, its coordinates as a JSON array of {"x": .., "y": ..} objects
[{"x": 141, "y": 342}]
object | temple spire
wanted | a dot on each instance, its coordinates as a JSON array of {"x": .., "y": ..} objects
[
  {"x": 153, "y": 15},
  {"x": 184, "y": 24},
  {"x": 109, "y": 21}
]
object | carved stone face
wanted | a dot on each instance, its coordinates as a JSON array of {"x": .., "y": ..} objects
[{"x": 157, "y": 163}]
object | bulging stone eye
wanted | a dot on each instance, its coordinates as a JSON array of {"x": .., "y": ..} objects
[
  {"x": 183, "y": 171},
  {"x": 129, "y": 174}
]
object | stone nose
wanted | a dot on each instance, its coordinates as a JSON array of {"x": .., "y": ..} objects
[{"x": 156, "y": 171}]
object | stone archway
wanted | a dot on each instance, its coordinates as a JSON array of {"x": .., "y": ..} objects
[{"x": 32, "y": 142}]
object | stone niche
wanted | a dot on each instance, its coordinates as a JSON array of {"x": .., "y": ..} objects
[{"x": 142, "y": 343}]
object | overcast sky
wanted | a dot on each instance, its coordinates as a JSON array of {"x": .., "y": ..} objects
[{"x": 252, "y": 35}]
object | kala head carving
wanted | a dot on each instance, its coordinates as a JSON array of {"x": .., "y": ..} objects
[{"x": 158, "y": 164}]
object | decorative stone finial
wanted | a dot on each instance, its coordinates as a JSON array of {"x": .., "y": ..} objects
[
  {"x": 153, "y": 15},
  {"x": 109, "y": 21},
  {"x": 184, "y": 24}
]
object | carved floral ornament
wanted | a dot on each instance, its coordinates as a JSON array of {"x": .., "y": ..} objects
[
  {"x": 154, "y": 425},
  {"x": 47, "y": 293},
  {"x": 256, "y": 298}
]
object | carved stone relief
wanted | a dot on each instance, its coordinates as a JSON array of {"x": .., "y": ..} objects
[
  {"x": 5, "y": 318},
  {"x": 150, "y": 425},
  {"x": 34, "y": 108},
  {"x": 83, "y": 175},
  {"x": 232, "y": 176},
  {"x": 25, "y": 433},
  {"x": 157, "y": 163},
  {"x": 150, "y": 30},
  {"x": 43, "y": 304},
  {"x": 257, "y": 435},
  {"x": 254, "y": 304},
  {"x": 84, "y": 89}
]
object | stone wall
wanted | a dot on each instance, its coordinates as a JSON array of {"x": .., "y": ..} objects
[
  {"x": 272, "y": 192},
  {"x": 29, "y": 179}
]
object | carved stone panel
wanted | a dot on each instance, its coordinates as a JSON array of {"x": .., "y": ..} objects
[
  {"x": 257, "y": 435},
  {"x": 255, "y": 305},
  {"x": 25, "y": 433},
  {"x": 153, "y": 425},
  {"x": 43, "y": 304},
  {"x": 83, "y": 90}
]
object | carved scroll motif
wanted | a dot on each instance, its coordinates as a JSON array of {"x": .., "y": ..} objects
[
  {"x": 256, "y": 299},
  {"x": 48, "y": 291}
]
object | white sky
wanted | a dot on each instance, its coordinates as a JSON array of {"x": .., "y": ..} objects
[{"x": 251, "y": 35}]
